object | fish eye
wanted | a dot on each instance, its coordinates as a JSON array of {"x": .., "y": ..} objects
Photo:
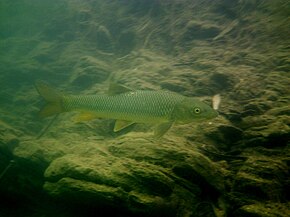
[{"x": 196, "y": 110}]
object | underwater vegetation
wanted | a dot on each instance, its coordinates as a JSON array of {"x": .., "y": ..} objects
[{"x": 235, "y": 164}]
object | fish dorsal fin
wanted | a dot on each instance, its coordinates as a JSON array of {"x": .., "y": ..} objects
[
  {"x": 85, "y": 116},
  {"x": 120, "y": 125},
  {"x": 115, "y": 89},
  {"x": 161, "y": 129}
]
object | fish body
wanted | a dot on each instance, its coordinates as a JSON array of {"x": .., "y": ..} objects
[
  {"x": 137, "y": 106},
  {"x": 127, "y": 107}
]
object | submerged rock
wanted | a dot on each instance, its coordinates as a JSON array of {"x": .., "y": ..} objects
[
  {"x": 264, "y": 210},
  {"x": 143, "y": 176},
  {"x": 88, "y": 71},
  {"x": 239, "y": 49},
  {"x": 226, "y": 134},
  {"x": 262, "y": 178},
  {"x": 8, "y": 141},
  {"x": 101, "y": 36},
  {"x": 200, "y": 30},
  {"x": 126, "y": 42},
  {"x": 267, "y": 131}
]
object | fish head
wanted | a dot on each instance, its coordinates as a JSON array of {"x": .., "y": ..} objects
[{"x": 191, "y": 110}]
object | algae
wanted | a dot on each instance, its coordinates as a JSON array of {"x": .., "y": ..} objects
[{"x": 235, "y": 165}]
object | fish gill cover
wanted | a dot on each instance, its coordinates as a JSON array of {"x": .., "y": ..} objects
[{"x": 234, "y": 165}]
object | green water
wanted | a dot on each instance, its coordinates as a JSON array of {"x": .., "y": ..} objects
[{"x": 234, "y": 165}]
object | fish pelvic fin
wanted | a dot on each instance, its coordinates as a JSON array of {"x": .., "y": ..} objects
[
  {"x": 52, "y": 97},
  {"x": 120, "y": 125},
  {"x": 85, "y": 116},
  {"x": 161, "y": 129}
]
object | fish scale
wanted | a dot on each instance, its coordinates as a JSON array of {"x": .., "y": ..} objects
[
  {"x": 127, "y": 107},
  {"x": 140, "y": 106}
]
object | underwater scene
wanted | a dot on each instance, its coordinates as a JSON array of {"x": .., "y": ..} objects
[{"x": 146, "y": 108}]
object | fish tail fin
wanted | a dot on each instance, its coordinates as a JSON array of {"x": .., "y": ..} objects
[{"x": 52, "y": 97}]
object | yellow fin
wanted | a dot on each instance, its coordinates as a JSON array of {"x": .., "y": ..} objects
[
  {"x": 115, "y": 89},
  {"x": 120, "y": 125},
  {"x": 52, "y": 97},
  {"x": 85, "y": 116}
]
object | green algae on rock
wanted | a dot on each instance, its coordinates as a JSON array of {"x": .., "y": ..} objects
[
  {"x": 239, "y": 49},
  {"x": 146, "y": 177}
]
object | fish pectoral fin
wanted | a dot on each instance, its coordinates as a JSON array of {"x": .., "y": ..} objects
[
  {"x": 120, "y": 125},
  {"x": 115, "y": 89},
  {"x": 85, "y": 116},
  {"x": 161, "y": 129}
]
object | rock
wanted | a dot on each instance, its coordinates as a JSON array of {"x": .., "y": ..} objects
[
  {"x": 239, "y": 49},
  {"x": 106, "y": 183},
  {"x": 226, "y": 134},
  {"x": 284, "y": 110},
  {"x": 261, "y": 178},
  {"x": 181, "y": 160},
  {"x": 55, "y": 28},
  {"x": 200, "y": 30},
  {"x": 221, "y": 82},
  {"x": 114, "y": 172},
  {"x": 77, "y": 191},
  {"x": 9, "y": 139},
  {"x": 267, "y": 131},
  {"x": 126, "y": 42},
  {"x": 41, "y": 151},
  {"x": 264, "y": 210},
  {"x": 88, "y": 71},
  {"x": 138, "y": 173},
  {"x": 83, "y": 16},
  {"x": 173, "y": 85},
  {"x": 101, "y": 36},
  {"x": 256, "y": 107}
]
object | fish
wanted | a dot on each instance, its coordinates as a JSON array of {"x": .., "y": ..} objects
[{"x": 127, "y": 106}]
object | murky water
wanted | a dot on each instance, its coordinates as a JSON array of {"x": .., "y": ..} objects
[{"x": 236, "y": 164}]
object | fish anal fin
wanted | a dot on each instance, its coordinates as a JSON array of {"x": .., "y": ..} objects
[
  {"x": 120, "y": 125},
  {"x": 85, "y": 116},
  {"x": 161, "y": 129},
  {"x": 115, "y": 89}
]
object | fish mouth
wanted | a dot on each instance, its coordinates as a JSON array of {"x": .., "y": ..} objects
[
  {"x": 214, "y": 114},
  {"x": 211, "y": 114}
]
